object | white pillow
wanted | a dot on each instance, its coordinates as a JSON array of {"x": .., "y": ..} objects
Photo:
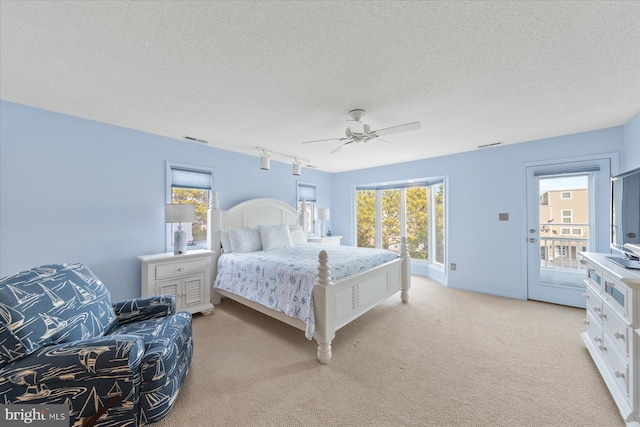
[
  {"x": 226, "y": 241},
  {"x": 275, "y": 236},
  {"x": 297, "y": 235},
  {"x": 244, "y": 239}
]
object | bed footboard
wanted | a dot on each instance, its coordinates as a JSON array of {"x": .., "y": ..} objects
[{"x": 337, "y": 304}]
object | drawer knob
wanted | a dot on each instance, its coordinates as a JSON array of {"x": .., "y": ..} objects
[
  {"x": 603, "y": 316},
  {"x": 619, "y": 335},
  {"x": 602, "y": 347},
  {"x": 585, "y": 296},
  {"x": 598, "y": 339},
  {"x": 618, "y": 374},
  {"x": 181, "y": 269},
  {"x": 585, "y": 321},
  {"x": 597, "y": 309}
]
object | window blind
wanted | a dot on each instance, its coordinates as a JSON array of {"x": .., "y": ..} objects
[
  {"x": 307, "y": 192},
  {"x": 189, "y": 178},
  {"x": 400, "y": 185}
]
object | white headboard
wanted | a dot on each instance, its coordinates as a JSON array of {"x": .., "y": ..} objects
[
  {"x": 251, "y": 213},
  {"x": 259, "y": 212}
]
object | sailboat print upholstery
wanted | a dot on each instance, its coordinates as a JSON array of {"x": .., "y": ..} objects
[{"x": 62, "y": 341}]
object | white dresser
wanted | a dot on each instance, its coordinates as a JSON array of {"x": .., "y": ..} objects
[
  {"x": 612, "y": 325},
  {"x": 186, "y": 276}
]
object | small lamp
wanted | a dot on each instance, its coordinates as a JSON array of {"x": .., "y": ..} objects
[
  {"x": 179, "y": 214},
  {"x": 323, "y": 214}
]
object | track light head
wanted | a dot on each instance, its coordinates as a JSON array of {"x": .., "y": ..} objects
[
  {"x": 265, "y": 161},
  {"x": 297, "y": 167}
]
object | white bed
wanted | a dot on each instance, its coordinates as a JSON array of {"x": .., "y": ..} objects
[{"x": 335, "y": 303}]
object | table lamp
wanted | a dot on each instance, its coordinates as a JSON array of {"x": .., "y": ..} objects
[{"x": 179, "y": 214}]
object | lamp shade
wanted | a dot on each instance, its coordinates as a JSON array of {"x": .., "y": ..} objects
[
  {"x": 323, "y": 213},
  {"x": 179, "y": 213}
]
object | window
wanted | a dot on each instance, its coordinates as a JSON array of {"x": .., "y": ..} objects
[
  {"x": 565, "y": 195},
  {"x": 188, "y": 184},
  {"x": 307, "y": 192},
  {"x": 385, "y": 213},
  {"x": 567, "y": 216}
]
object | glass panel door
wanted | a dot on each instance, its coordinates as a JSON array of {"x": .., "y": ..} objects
[{"x": 564, "y": 228}]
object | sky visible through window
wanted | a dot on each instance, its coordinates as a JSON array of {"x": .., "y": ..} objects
[{"x": 563, "y": 183}]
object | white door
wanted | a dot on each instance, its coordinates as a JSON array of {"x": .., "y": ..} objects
[{"x": 564, "y": 204}]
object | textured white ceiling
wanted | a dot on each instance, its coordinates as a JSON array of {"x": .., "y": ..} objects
[{"x": 273, "y": 74}]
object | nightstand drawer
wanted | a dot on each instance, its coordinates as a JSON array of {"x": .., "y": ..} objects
[{"x": 179, "y": 268}]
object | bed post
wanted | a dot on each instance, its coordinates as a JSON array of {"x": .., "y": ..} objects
[
  {"x": 304, "y": 218},
  {"x": 406, "y": 270},
  {"x": 213, "y": 242},
  {"x": 324, "y": 309}
]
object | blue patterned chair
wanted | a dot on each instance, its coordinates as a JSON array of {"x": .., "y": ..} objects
[{"x": 62, "y": 341}]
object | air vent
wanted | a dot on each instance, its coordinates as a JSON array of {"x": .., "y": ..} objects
[
  {"x": 493, "y": 144},
  {"x": 190, "y": 138}
]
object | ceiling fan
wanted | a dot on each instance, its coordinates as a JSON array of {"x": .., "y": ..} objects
[{"x": 358, "y": 131}]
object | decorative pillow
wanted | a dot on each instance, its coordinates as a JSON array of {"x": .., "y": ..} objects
[
  {"x": 297, "y": 235},
  {"x": 53, "y": 304},
  {"x": 226, "y": 241},
  {"x": 245, "y": 239},
  {"x": 275, "y": 236}
]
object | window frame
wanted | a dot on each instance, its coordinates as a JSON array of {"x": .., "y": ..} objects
[
  {"x": 169, "y": 166},
  {"x": 422, "y": 265}
]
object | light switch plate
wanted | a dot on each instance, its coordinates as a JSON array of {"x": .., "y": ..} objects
[{"x": 503, "y": 217}]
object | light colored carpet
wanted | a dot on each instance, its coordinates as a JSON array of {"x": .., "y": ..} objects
[{"x": 446, "y": 358}]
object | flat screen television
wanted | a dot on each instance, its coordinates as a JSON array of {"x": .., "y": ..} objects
[{"x": 625, "y": 211}]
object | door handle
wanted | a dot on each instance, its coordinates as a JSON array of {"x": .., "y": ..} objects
[{"x": 532, "y": 240}]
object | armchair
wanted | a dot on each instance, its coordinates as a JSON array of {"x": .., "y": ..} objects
[{"x": 62, "y": 341}]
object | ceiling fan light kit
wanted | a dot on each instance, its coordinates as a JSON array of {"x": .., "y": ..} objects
[{"x": 358, "y": 131}]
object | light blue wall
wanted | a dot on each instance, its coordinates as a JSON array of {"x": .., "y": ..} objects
[
  {"x": 481, "y": 184},
  {"x": 75, "y": 190},
  {"x": 631, "y": 158}
]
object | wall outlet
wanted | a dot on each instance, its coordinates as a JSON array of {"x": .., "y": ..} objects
[{"x": 453, "y": 266}]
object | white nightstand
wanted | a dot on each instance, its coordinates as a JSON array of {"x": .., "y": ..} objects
[
  {"x": 327, "y": 240},
  {"x": 186, "y": 276}
]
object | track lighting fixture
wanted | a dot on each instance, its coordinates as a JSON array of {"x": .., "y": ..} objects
[
  {"x": 265, "y": 161},
  {"x": 297, "y": 167}
]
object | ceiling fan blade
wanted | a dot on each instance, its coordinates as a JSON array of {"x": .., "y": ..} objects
[
  {"x": 384, "y": 140},
  {"x": 325, "y": 140},
  {"x": 340, "y": 147},
  {"x": 397, "y": 129}
]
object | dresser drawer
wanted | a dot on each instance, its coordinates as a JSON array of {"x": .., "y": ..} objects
[
  {"x": 178, "y": 268},
  {"x": 617, "y": 295},
  {"x": 594, "y": 330},
  {"x": 594, "y": 277},
  {"x": 616, "y": 328},
  {"x": 617, "y": 366},
  {"x": 593, "y": 302}
]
